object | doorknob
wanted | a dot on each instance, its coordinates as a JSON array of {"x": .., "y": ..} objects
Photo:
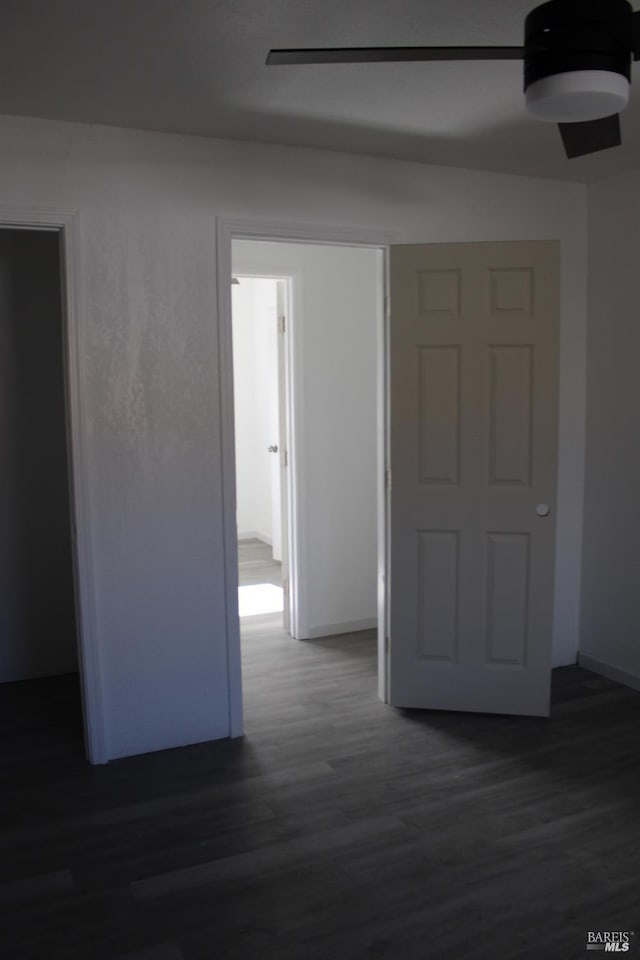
[
  {"x": 543, "y": 509},
  {"x": 273, "y": 448}
]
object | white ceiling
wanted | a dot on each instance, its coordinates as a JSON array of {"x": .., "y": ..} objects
[{"x": 197, "y": 66}]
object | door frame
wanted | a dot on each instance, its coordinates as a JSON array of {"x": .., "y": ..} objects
[
  {"x": 66, "y": 225},
  {"x": 227, "y": 230}
]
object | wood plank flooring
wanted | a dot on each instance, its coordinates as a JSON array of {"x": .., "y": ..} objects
[
  {"x": 337, "y": 829},
  {"x": 256, "y": 564}
]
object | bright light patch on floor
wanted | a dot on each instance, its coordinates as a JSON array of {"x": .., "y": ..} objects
[{"x": 257, "y": 598}]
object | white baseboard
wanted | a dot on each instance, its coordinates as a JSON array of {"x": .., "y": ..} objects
[
  {"x": 335, "y": 629},
  {"x": 608, "y": 670}
]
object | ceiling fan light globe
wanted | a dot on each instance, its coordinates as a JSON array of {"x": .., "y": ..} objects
[{"x": 577, "y": 96}]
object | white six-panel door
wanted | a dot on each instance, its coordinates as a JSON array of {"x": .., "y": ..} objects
[{"x": 473, "y": 455}]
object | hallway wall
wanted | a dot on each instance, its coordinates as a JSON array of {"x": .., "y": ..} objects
[{"x": 255, "y": 380}]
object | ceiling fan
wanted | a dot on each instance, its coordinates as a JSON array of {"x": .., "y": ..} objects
[{"x": 577, "y": 66}]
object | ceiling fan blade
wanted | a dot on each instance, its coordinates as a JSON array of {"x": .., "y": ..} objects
[
  {"x": 391, "y": 54},
  {"x": 590, "y": 136}
]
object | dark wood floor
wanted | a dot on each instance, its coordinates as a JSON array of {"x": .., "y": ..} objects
[{"x": 337, "y": 828}]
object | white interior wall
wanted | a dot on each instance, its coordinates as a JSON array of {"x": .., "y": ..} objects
[
  {"x": 255, "y": 377},
  {"x": 611, "y": 603},
  {"x": 265, "y": 371},
  {"x": 146, "y": 204},
  {"x": 336, "y": 306},
  {"x": 244, "y": 409},
  {"x": 272, "y": 393}
]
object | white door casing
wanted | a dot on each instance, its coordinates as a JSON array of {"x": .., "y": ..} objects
[{"x": 473, "y": 456}]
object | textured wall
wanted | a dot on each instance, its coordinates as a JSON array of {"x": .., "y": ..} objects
[
  {"x": 146, "y": 205},
  {"x": 611, "y": 603}
]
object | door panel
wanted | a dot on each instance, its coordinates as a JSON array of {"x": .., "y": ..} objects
[
  {"x": 439, "y": 411},
  {"x": 473, "y": 450},
  {"x": 510, "y": 414},
  {"x": 438, "y": 575}
]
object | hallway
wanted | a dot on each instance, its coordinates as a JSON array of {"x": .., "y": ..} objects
[
  {"x": 260, "y": 590},
  {"x": 256, "y": 564}
]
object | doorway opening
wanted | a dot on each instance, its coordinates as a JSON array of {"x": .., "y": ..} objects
[
  {"x": 307, "y": 325},
  {"x": 40, "y": 695},
  {"x": 445, "y": 375}
]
